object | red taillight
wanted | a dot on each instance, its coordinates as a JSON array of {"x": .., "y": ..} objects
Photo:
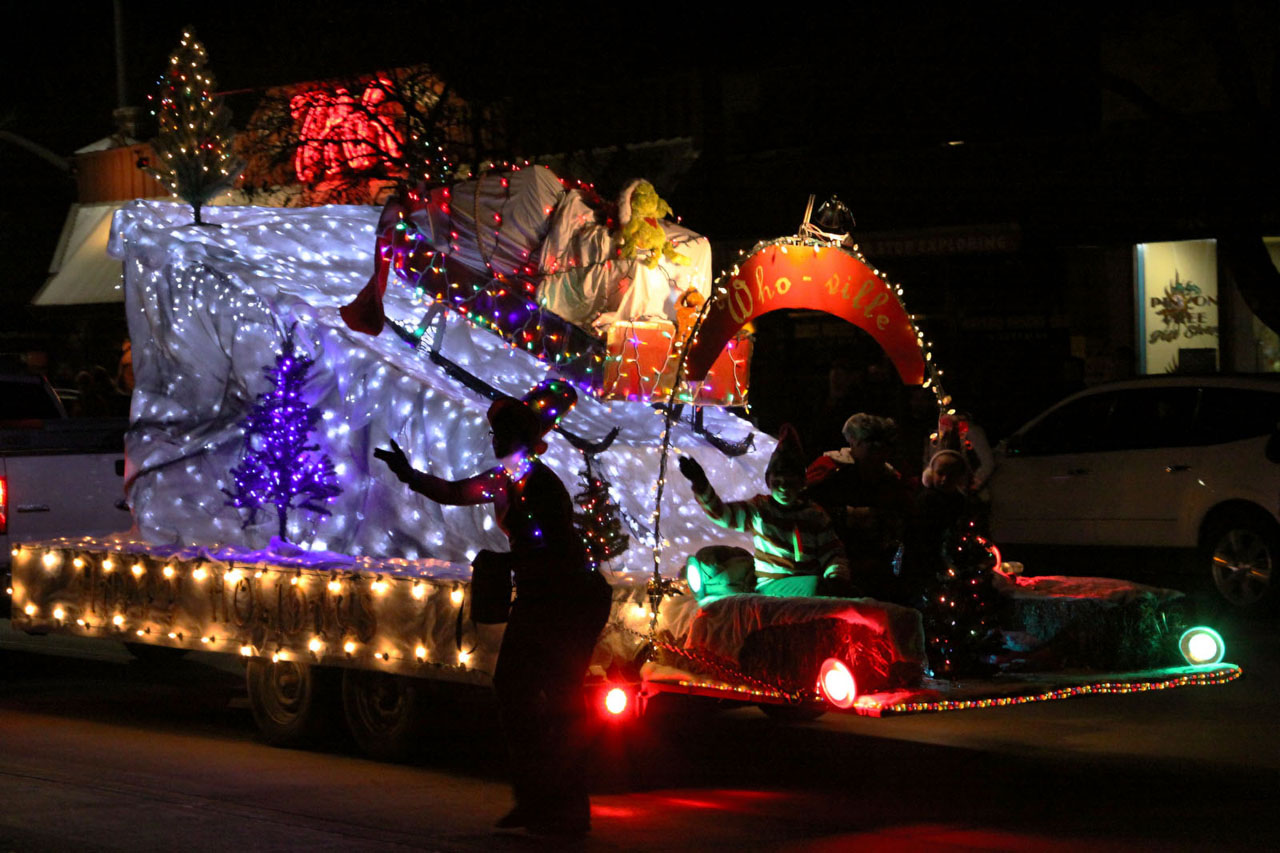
[
  {"x": 616, "y": 701},
  {"x": 4, "y": 504},
  {"x": 835, "y": 680}
]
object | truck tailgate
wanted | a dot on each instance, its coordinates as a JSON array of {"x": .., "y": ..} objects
[{"x": 65, "y": 494}]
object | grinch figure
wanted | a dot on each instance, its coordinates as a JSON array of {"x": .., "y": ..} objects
[{"x": 641, "y": 211}]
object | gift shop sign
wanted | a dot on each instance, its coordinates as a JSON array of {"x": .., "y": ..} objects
[
  {"x": 1178, "y": 302},
  {"x": 825, "y": 279}
]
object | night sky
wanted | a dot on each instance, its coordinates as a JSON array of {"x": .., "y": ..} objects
[
  {"x": 919, "y": 71},
  {"x": 853, "y": 99}
]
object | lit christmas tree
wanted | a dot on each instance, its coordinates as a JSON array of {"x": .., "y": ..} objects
[
  {"x": 598, "y": 520},
  {"x": 193, "y": 143},
  {"x": 279, "y": 465},
  {"x": 960, "y": 607}
]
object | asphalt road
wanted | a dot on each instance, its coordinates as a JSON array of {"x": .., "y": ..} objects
[{"x": 111, "y": 754}]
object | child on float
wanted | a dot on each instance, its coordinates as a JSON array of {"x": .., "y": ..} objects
[
  {"x": 866, "y": 499},
  {"x": 796, "y": 551},
  {"x": 939, "y": 507},
  {"x": 560, "y": 607}
]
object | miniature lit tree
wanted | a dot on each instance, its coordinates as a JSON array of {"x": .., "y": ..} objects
[
  {"x": 597, "y": 519},
  {"x": 279, "y": 465},
  {"x": 193, "y": 143},
  {"x": 960, "y": 607}
]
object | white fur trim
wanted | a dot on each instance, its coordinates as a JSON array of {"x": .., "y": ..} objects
[{"x": 624, "y": 201}]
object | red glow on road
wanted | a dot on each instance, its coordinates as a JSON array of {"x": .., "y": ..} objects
[
  {"x": 690, "y": 803},
  {"x": 729, "y": 800},
  {"x": 620, "y": 812}
]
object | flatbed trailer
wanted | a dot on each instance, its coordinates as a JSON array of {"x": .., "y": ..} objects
[{"x": 316, "y": 629}]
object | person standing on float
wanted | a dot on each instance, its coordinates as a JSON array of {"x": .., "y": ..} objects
[{"x": 560, "y": 607}]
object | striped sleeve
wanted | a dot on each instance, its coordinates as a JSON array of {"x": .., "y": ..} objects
[
  {"x": 735, "y": 515},
  {"x": 830, "y": 551},
  {"x": 796, "y": 541}
]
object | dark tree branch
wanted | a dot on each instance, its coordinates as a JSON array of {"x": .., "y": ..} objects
[
  {"x": 58, "y": 162},
  {"x": 1237, "y": 222}
]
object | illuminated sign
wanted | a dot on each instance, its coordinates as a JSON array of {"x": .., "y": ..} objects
[{"x": 1178, "y": 306}]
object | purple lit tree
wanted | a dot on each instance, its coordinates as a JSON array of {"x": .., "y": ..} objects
[{"x": 280, "y": 468}]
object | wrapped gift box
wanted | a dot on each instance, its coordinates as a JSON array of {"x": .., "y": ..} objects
[
  {"x": 727, "y": 381},
  {"x": 641, "y": 364}
]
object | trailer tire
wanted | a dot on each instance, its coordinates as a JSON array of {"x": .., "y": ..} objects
[
  {"x": 386, "y": 714},
  {"x": 294, "y": 704},
  {"x": 790, "y": 713},
  {"x": 150, "y": 655}
]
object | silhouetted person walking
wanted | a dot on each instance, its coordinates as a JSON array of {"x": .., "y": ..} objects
[{"x": 560, "y": 607}]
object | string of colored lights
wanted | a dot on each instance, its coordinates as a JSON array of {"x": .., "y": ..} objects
[
  {"x": 499, "y": 302},
  {"x": 653, "y": 376},
  {"x": 740, "y": 681},
  {"x": 504, "y": 303},
  {"x": 1215, "y": 676},
  {"x": 717, "y": 687},
  {"x": 867, "y": 705}
]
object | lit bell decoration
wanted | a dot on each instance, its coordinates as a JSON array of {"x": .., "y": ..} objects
[{"x": 835, "y": 218}]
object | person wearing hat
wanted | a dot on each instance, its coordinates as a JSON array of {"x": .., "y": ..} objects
[
  {"x": 560, "y": 607},
  {"x": 866, "y": 499},
  {"x": 796, "y": 550},
  {"x": 938, "y": 509}
]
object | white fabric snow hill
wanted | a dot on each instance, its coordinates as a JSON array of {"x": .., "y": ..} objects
[{"x": 208, "y": 308}]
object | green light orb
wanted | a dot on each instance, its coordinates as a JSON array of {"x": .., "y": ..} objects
[{"x": 1201, "y": 645}]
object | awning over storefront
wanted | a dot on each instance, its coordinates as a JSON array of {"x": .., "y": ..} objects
[{"x": 82, "y": 272}]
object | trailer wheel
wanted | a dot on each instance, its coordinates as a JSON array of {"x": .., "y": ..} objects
[
  {"x": 386, "y": 714},
  {"x": 790, "y": 713},
  {"x": 293, "y": 703},
  {"x": 155, "y": 655}
]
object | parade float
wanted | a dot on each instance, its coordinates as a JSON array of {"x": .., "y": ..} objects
[
  {"x": 274, "y": 350},
  {"x": 269, "y": 365}
]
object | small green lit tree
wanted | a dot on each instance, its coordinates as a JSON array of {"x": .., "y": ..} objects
[
  {"x": 960, "y": 608},
  {"x": 193, "y": 142},
  {"x": 597, "y": 518}
]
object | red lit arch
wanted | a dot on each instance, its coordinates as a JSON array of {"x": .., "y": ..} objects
[{"x": 817, "y": 278}]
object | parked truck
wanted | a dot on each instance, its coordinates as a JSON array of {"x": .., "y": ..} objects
[{"x": 59, "y": 476}]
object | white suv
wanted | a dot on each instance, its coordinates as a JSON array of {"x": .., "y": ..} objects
[{"x": 1165, "y": 462}]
